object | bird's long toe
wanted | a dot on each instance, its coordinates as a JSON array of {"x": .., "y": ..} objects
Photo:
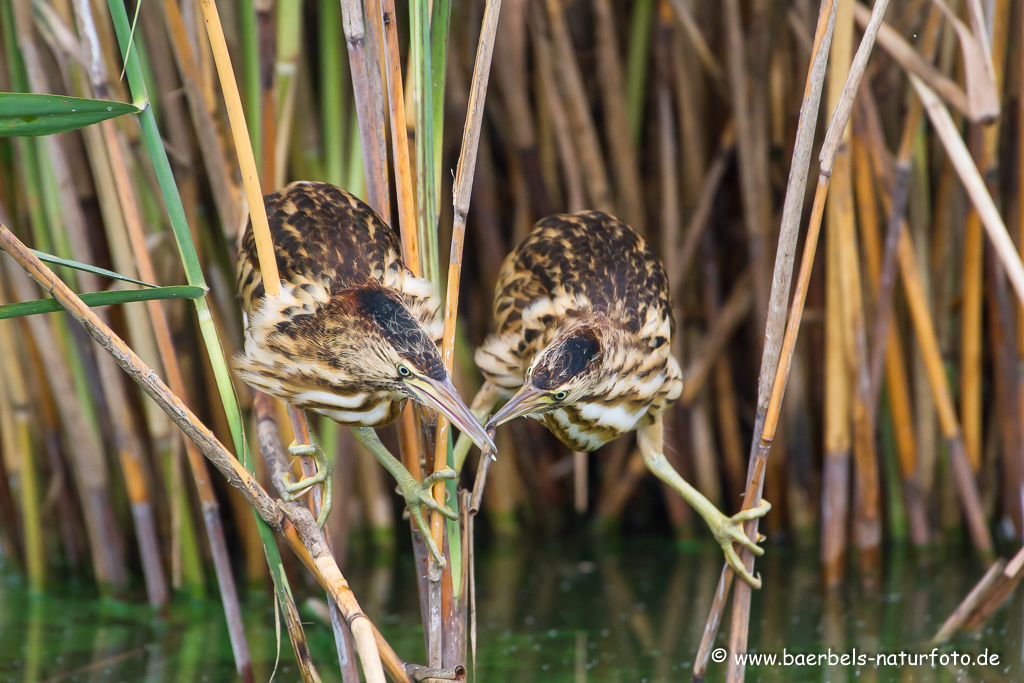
[{"x": 729, "y": 531}]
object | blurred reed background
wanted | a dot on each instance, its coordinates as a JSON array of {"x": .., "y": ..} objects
[{"x": 677, "y": 116}]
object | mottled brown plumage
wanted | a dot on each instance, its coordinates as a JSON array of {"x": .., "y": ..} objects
[
  {"x": 353, "y": 334},
  {"x": 590, "y": 288},
  {"x": 343, "y": 288},
  {"x": 583, "y": 336}
]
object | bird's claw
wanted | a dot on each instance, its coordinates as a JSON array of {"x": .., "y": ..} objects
[
  {"x": 418, "y": 494},
  {"x": 323, "y": 477},
  {"x": 729, "y": 531}
]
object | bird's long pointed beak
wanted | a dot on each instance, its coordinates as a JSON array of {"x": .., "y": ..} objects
[
  {"x": 528, "y": 400},
  {"x": 443, "y": 397}
]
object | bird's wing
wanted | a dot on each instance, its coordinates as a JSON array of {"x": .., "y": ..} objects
[{"x": 325, "y": 239}]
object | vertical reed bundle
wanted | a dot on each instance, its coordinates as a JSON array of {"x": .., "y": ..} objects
[{"x": 694, "y": 122}]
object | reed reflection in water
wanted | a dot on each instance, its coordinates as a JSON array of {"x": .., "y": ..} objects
[{"x": 578, "y": 614}]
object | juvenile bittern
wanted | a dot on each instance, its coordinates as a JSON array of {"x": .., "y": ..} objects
[
  {"x": 583, "y": 334},
  {"x": 352, "y": 335}
]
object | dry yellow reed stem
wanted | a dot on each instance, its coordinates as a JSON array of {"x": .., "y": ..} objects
[
  {"x": 246, "y": 160},
  {"x": 838, "y": 339},
  {"x": 461, "y": 195},
  {"x": 836, "y": 465},
  {"x": 400, "y": 140},
  {"x": 896, "y": 377}
]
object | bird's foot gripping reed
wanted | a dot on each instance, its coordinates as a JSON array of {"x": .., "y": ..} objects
[
  {"x": 583, "y": 340},
  {"x": 353, "y": 334},
  {"x": 416, "y": 493},
  {"x": 324, "y": 477}
]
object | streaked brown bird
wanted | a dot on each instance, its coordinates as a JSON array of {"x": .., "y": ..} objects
[
  {"x": 583, "y": 335},
  {"x": 353, "y": 334}
]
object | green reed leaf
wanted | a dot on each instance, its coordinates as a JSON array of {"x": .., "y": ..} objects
[{"x": 23, "y": 114}]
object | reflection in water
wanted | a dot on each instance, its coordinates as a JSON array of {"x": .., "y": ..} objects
[{"x": 561, "y": 615}]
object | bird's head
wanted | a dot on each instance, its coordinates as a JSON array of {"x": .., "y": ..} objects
[
  {"x": 565, "y": 372},
  {"x": 395, "y": 353}
]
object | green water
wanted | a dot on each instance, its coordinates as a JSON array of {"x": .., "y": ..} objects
[{"x": 565, "y": 614}]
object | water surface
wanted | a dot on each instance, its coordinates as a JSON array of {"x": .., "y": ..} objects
[{"x": 633, "y": 613}]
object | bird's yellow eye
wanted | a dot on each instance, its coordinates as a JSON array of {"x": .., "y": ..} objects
[
  {"x": 560, "y": 396},
  {"x": 404, "y": 371}
]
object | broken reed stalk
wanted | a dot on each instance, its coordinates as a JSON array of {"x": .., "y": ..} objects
[
  {"x": 246, "y": 160},
  {"x": 310, "y": 549},
  {"x": 778, "y": 302},
  {"x": 461, "y": 195}
]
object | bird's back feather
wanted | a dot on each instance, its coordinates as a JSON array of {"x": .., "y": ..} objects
[
  {"x": 588, "y": 266},
  {"x": 340, "y": 267}
]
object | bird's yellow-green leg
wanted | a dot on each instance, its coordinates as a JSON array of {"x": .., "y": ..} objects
[
  {"x": 727, "y": 530},
  {"x": 324, "y": 476},
  {"x": 416, "y": 493},
  {"x": 481, "y": 407}
]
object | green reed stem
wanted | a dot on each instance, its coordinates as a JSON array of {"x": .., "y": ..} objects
[
  {"x": 636, "y": 67},
  {"x": 94, "y": 299},
  {"x": 427, "y": 127},
  {"x": 193, "y": 273},
  {"x": 251, "y": 74},
  {"x": 439, "y": 25},
  {"x": 332, "y": 96}
]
